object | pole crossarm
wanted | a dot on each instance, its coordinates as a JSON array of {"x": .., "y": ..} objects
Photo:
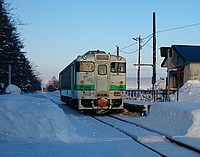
[{"x": 143, "y": 65}]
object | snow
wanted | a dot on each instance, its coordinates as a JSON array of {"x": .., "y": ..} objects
[
  {"x": 179, "y": 120},
  {"x": 13, "y": 89},
  {"x": 33, "y": 125},
  {"x": 189, "y": 92},
  {"x": 25, "y": 118}
]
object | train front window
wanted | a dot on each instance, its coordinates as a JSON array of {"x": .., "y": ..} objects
[
  {"x": 117, "y": 67},
  {"x": 85, "y": 66},
  {"x": 102, "y": 69}
]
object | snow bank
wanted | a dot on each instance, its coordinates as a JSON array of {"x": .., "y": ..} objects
[
  {"x": 183, "y": 117},
  {"x": 13, "y": 89},
  {"x": 36, "y": 119},
  {"x": 194, "y": 130},
  {"x": 176, "y": 119},
  {"x": 189, "y": 92}
]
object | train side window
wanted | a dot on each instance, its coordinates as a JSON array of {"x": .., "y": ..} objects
[
  {"x": 102, "y": 69},
  {"x": 118, "y": 67},
  {"x": 84, "y": 66}
]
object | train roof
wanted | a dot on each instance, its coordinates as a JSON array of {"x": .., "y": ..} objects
[
  {"x": 91, "y": 54},
  {"x": 95, "y": 52}
]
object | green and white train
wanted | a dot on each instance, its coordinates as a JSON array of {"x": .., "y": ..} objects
[{"x": 94, "y": 81}]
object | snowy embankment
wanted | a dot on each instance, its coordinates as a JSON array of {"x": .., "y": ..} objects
[
  {"x": 37, "y": 119},
  {"x": 186, "y": 112},
  {"x": 176, "y": 119},
  {"x": 180, "y": 120}
]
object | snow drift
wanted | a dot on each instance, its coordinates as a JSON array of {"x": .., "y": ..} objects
[
  {"x": 36, "y": 119},
  {"x": 183, "y": 117},
  {"x": 189, "y": 92},
  {"x": 175, "y": 119},
  {"x": 12, "y": 89}
]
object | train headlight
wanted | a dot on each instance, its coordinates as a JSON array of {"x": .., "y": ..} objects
[
  {"x": 121, "y": 82},
  {"x": 119, "y": 58},
  {"x": 117, "y": 93},
  {"x": 84, "y": 57}
]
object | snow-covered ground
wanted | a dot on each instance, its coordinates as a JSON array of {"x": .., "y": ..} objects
[
  {"x": 178, "y": 120},
  {"x": 32, "y": 125}
]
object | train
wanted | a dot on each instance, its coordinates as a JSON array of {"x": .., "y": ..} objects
[{"x": 94, "y": 81}]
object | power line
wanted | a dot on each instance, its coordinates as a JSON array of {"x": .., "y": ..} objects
[
  {"x": 181, "y": 27},
  {"x": 172, "y": 29},
  {"x": 131, "y": 52},
  {"x": 147, "y": 41},
  {"x": 128, "y": 46},
  {"x": 151, "y": 35}
]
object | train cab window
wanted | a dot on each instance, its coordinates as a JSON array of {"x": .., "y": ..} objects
[
  {"x": 102, "y": 69},
  {"x": 84, "y": 66},
  {"x": 118, "y": 67}
]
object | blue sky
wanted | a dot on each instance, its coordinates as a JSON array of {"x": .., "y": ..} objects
[{"x": 58, "y": 31}]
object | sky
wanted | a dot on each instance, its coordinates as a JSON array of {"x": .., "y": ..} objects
[{"x": 56, "y": 32}]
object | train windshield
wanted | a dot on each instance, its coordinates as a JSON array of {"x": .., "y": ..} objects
[
  {"x": 117, "y": 67},
  {"x": 102, "y": 69},
  {"x": 85, "y": 66}
]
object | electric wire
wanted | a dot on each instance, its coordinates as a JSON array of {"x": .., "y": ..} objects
[
  {"x": 128, "y": 46},
  {"x": 131, "y": 52},
  {"x": 151, "y": 35},
  {"x": 176, "y": 28},
  {"x": 147, "y": 41}
]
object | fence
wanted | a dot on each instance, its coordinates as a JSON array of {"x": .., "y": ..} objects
[{"x": 147, "y": 95}]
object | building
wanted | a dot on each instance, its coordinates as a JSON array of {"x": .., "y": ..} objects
[{"x": 182, "y": 62}]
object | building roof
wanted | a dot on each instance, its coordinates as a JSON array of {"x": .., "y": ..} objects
[{"x": 188, "y": 53}]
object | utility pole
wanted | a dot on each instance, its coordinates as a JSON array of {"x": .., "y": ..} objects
[
  {"x": 154, "y": 55},
  {"x": 138, "y": 78},
  {"x": 167, "y": 53},
  {"x": 9, "y": 74},
  {"x": 168, "y": 79}
]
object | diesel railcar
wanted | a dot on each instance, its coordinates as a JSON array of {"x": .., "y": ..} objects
[{"x": 94, "y": 81}]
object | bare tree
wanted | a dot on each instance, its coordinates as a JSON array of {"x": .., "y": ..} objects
[{"x": 53, "y": 84}]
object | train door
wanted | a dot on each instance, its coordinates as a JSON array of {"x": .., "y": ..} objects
[{"x": 102, "y": 79}]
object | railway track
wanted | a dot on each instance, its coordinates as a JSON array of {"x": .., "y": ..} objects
[
  {"x": 151, "y": 139},
  {"x": 156, "y": 142}
]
